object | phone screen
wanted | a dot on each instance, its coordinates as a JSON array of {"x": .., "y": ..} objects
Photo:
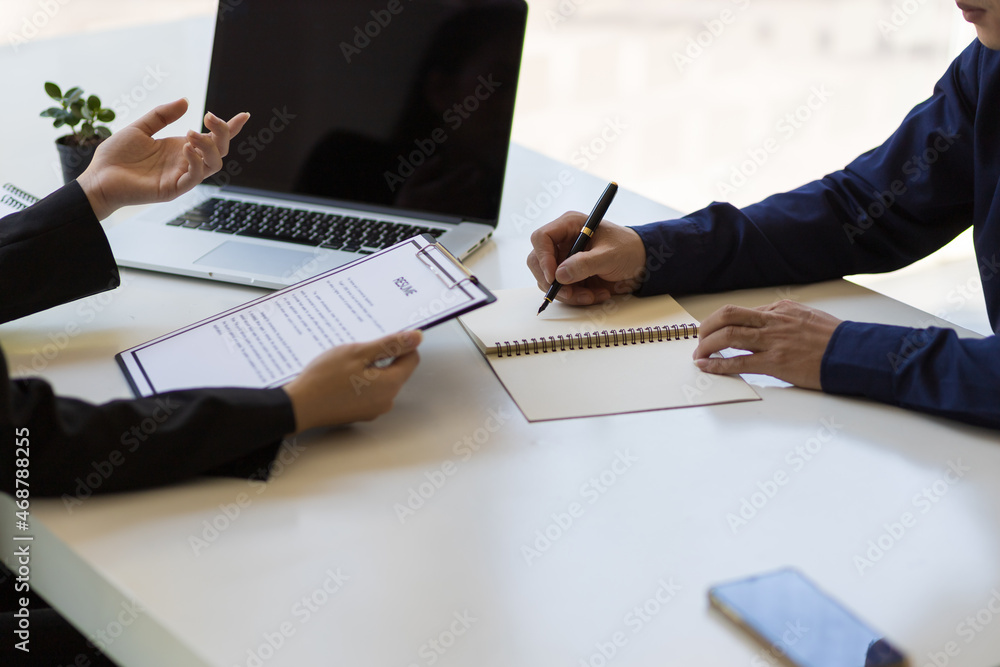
[{"x": 800, "y": 624}]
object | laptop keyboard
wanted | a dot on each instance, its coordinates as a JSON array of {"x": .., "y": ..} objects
[{"x": 313, "y": 228}]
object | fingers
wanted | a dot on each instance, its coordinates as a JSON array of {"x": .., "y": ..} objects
[
  {"x": 745, "y": 363},
  {"x": 214, "y": 145},
  {"x": 195, "y": 170},
  {"x": 207, "y": 149},
  {"x": 161, "y": 116},
  {"x": 221, "y": 132},
  {"x": 582, "y": 265},
  {"x": 400, "y": 370},
  {"x": 579, "y": 295},
  {"x": 344, "y": 384},
  {"x": 786, "y": 340},
  {"x": 547, "y": 241},
  {"x": 388, "y": 347},
  {"x": 236, "y": 123},
  {"x": 730, "y": 326}
]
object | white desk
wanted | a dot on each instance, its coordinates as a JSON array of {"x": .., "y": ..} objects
[{"x": 332, "y": 511}]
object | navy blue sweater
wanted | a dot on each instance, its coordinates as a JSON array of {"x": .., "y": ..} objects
[{"x": 934, "y": 177}]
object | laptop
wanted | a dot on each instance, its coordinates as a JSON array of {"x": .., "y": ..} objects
[{"x": 371, "y": 121}]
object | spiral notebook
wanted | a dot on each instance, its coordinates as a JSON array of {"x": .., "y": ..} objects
[
  {"x": 629, "y": 355},
  {"x": 14, "y": 199}
]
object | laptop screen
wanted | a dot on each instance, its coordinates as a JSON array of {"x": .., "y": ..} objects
[{"x": 402, "y": 104}]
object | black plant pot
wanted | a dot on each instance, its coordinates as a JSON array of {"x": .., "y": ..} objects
[{"x": 74, "y": 159}]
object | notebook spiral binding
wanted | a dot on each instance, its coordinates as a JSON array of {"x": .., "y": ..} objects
[
  {"x": 7, "y": 200},
  {"x": 21, "y": 194},
  {"x": 595, "y": 339}
]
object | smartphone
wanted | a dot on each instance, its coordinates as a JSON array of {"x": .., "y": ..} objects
[{"x": 800, "y": 624}]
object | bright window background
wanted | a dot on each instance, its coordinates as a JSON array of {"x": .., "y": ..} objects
[{"x": 692, "y": 89}]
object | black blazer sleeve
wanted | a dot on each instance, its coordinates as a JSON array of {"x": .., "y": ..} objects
[
  {"x": 51, "y": 253},
  {"x": 54, "y": 252}
]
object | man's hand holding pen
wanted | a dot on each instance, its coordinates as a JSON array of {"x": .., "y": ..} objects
[
  {"x": 612, "y": 264},
  {"x": 786, "y": 340}
]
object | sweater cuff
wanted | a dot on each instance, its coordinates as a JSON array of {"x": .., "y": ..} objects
[
  {"x": 862, "y": 359},
  {"x": 660, "y": 243}
]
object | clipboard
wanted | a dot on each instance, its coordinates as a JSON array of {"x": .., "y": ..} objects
[{"x": 415, "y": 284}]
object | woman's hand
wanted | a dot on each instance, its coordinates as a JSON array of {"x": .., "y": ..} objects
[{"x": 131, "y": 167}]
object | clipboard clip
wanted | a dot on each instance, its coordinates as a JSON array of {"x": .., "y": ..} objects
[{"x": 440, "y": 271}]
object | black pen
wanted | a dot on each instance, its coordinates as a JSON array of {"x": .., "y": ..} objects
[{"x": 588, "y": 230}]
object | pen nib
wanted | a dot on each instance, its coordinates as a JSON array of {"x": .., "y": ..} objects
[{"x": 544, "y": 306}]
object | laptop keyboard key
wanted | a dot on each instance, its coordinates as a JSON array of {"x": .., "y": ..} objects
[{"x": 313, "y": 228}]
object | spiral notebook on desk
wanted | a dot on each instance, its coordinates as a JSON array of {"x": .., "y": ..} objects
[
  {"x": 629, "y": 355},
  {"x": 14, "y": 199}
]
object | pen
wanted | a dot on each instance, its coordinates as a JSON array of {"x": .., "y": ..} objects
[{"x": 589, "y": 227}]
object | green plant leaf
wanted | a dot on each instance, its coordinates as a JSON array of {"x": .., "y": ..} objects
[
  {"x": 53, "y": 91},
  {"x": 51, "y": 112},
  {"x": 73, "y": 94},
  {"x": 59, "y": 122},
  {"x": 94, "y": 103},
  {"x": 102, "y": 132},
  {"x": 106, "y": 115},
  {"x": 86, "y": 130}
]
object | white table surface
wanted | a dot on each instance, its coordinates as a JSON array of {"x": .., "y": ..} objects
[{"x": 124, "y": 565}]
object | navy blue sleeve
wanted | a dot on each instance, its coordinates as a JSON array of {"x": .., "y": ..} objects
[
  {"x": 930, "y": 370},
  {"x": 888, "y": 208}
]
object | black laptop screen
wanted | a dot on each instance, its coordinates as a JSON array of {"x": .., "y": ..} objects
[{"x": 405, "y": 104}]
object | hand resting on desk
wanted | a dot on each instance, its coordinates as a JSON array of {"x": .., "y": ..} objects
[{"x": 787, "y": 340}]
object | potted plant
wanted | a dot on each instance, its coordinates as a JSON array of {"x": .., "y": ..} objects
[{"x": 77, "y": 149}]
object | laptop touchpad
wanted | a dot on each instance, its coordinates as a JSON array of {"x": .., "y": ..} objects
[{"x": 253, "y": 258}]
